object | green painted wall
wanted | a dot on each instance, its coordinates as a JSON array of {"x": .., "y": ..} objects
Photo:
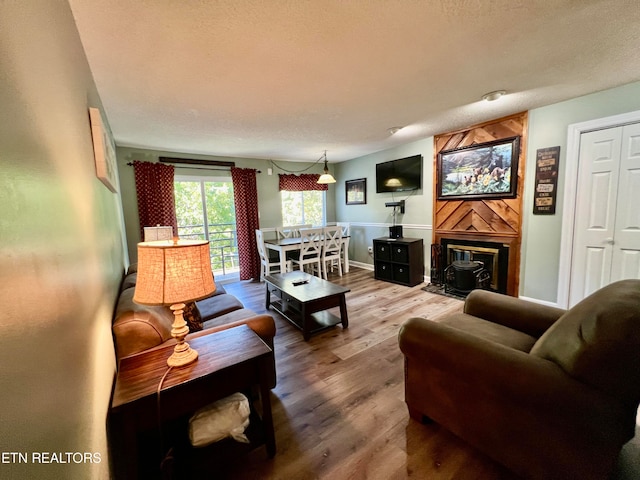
[
  {"x": 268, "y": 194},
  {"x": 373, "y": 219},
  {"x": 61, "y": 248}
]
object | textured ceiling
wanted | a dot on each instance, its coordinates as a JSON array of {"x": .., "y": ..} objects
[{"x": 289, "y": 79}]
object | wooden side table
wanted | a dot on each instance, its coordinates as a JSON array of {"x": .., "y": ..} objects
[{"x": 228, "y": 361}]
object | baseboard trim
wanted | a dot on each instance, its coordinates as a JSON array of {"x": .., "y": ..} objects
[
  {"x": 541, "y": 302},
  {"x": 365, "y": 266}
]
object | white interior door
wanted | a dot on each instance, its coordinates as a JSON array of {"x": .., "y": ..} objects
[
  {"x": 607, "y": 223},
  {"x": 626, "y": 246}
]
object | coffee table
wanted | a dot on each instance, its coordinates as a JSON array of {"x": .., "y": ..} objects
[{"x": 304, "y": 299}]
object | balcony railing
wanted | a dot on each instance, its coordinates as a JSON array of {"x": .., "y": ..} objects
[{"x": 223, "y": 244}]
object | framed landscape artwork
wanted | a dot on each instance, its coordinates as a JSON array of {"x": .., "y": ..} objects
[
  {"x": 104, "y": 151},
  {"x": 356, "y": 191},
  {"x": 483, "y": 171}
]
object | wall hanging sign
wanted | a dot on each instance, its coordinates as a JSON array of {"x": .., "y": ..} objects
[
  {"x": 356, "y": 191},
  {"x": 104, "y": 151},
  {"x": 486, "y": 170},
  {"x": 544, "y": 197}
]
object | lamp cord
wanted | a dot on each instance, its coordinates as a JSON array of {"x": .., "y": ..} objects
[
  {"x": 159, "y": 417},
  {"x": 411, "y": 193},
  {"x": 322, "y": 157}
]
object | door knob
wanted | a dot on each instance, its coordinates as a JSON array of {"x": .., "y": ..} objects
[{"x": 609, "y": 241}]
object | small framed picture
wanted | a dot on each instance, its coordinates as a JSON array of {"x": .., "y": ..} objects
[
  {"x": 356, "y": 191},
  {"x": 104, "y": 151}
]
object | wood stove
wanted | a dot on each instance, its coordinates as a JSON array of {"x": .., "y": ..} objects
[
  {"x": 463, "y": 276},
  {"x": 459, "y": 263}
]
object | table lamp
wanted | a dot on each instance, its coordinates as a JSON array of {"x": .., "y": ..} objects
[{"x": 173, "y": 272}]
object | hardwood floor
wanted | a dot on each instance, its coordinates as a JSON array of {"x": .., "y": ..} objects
[{"x": 339, "y": 410}]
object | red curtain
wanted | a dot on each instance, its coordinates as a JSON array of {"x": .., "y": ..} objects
[
  {"x": 245, "y": 198},
  {"x": 300, "y": 183},
  {"x": 154, "y": 191}
]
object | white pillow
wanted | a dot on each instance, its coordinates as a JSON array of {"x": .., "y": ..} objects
[{"x": 227, "y": 417}]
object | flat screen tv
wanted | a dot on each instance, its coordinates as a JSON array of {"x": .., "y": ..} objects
[{"x": 399, "y": 175}]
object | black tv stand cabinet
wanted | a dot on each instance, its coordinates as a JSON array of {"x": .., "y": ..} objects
[{"x": 399, "y": 260}]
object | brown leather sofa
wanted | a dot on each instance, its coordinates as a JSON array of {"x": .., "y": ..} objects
[
  {"x": 549, "y": 393},
  {"x": 139, "y": 328}
]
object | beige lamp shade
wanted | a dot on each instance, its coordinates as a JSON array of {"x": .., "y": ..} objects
[{"x": 173, "y": 271}]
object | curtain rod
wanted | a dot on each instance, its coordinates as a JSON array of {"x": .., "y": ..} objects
[
  {"x": 224, "y": 169},
  {"x": 197, "y": 161}
]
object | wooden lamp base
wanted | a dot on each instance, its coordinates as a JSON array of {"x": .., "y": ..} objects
[{"x": 182, "y": 354}]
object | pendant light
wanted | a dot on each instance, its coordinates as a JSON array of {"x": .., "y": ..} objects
[{"x": 326, "y": 177}]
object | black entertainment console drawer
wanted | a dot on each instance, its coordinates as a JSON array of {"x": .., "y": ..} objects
[
  {"x": 382, "y": 251},
  {"x": 384, "y": 271},
  {"x": 400, "y": 253},
  {"x": 399, "y": 260}
]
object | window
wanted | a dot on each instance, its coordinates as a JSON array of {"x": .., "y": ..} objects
[
  {"x": 300, "y": 208},
  {"x": 210, "y": 198}
]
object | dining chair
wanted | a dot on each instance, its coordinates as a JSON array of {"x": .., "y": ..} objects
[
  {"x": 346, "y": 228},
  {"x": 346, "y": 236},
  {"x": 331, "y": 250},
  {"x": 310, "y": 250},
  {"x": 291, "y": 231},
  {"x": 285, "y": 232},
  {"x": 269, "y": 259}
]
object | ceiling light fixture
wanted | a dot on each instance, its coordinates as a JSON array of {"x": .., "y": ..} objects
[
  {"x": 326, "y": 176},
  {"x": 491, "y": 96},
  {"x": 394, "y": 130}
]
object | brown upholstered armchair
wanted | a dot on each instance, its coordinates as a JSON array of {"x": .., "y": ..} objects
[{"x": 546, "y": 392}]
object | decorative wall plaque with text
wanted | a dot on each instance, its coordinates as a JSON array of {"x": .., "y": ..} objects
[{"x": 544, "y": 198}]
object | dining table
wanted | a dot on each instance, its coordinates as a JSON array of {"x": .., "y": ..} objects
[{"x": 284, "y": 245}]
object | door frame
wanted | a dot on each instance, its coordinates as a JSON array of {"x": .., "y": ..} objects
[{"x": 574, "y": 133}]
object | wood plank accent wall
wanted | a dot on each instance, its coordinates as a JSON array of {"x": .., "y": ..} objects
[{"x": 497, "y": 220}]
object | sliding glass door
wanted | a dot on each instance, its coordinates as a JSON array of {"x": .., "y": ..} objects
[{"x": 205, "y": 210}]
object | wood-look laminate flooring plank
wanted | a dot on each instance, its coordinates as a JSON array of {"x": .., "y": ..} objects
[{"x": 338, "y": 407}]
